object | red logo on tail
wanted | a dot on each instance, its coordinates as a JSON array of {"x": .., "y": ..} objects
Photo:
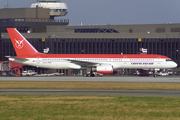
[{"x": 19, "y": 44}]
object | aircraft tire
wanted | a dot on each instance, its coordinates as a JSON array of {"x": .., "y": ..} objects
[{"x": 92, "y": 75}]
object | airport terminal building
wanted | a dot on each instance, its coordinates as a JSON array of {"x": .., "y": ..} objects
[{"x": 43, "y": 31}]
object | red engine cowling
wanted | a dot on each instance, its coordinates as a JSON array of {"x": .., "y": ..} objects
[{"x": 104, "y": 69}]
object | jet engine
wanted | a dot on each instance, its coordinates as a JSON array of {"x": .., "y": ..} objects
[{"x": 104, "y": 69}]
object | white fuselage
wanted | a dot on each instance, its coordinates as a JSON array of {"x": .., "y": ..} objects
[{"x": 132, "y": 63}]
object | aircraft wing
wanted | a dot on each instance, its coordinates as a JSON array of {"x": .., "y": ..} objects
[{"x": 83, "y": 63}]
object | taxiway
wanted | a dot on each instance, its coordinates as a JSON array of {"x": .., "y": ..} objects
[{"x": 167, "y": 79}]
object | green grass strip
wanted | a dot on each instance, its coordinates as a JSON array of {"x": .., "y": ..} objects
[
  {"x": 89, "y": 85},
  {"x": 57, "y": 107}
]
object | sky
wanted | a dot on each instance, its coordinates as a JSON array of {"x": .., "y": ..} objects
[{"x": 115, "y": 12}]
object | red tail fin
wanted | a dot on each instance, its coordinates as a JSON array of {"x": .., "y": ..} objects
[{"x": 21, "y": 45}]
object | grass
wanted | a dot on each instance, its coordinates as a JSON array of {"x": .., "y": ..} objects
[
  {"x": 62, "y": 107},
  {"x": 53, "y": 107},
  {"x": 89, "y": 85}
]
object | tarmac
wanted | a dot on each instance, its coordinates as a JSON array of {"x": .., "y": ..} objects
[
  {"x": 138, "y": 93},
  {"x": 165, "y": 79}
]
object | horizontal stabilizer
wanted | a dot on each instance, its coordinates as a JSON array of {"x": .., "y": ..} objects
[{"x": 13, "y": 58}]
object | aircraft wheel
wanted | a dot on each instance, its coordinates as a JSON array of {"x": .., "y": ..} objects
[{"x": 92, "y": 75}]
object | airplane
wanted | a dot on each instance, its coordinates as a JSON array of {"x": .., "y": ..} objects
[{"x": 100, "y": 63}]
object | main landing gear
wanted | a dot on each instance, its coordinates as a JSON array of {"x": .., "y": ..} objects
[{"x": 89, "y": 74}]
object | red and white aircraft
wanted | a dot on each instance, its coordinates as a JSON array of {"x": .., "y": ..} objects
[{"x": 100, "y": 63}]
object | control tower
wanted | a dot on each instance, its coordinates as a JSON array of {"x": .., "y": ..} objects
[{"x": 57, "y": 8}]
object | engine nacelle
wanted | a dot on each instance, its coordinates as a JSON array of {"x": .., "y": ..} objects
[{"x": 104, "y": 69}]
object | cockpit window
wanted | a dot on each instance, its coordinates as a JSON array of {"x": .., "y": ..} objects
[{"x": 168, "y": 60}]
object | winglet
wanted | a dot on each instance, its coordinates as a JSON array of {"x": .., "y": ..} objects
[{"x": 20, "y": 44}]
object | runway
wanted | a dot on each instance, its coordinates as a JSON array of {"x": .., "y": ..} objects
[
  {"x": 167, "y": 79},
  {"x": 93, "y": 92}
]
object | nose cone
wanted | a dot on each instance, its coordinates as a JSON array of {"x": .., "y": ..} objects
[{"x": 174, "y": 64}]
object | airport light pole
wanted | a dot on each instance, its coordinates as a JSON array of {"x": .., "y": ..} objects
[{"x": 177, "y": 57}]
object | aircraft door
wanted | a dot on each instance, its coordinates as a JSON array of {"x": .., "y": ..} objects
[
  {"x": 125, "y": 61},
  {"x": 38, "y": 59},
  {"x": 158, "y": 61}
]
